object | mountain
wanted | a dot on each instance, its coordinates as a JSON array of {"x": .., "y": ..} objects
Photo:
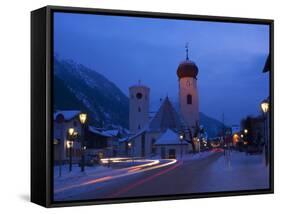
[
  {"x": 212, "y": 126},
  {"x": 79, "y": 87}
]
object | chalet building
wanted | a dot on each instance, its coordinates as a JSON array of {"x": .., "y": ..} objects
[
  {"x": 63, "y": 120},
  {"x": 102, "y": 143}
]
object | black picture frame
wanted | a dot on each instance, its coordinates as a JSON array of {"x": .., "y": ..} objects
[{"x": 41, "y": 103}]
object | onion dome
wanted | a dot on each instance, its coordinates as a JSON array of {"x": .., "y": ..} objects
[{"x": 187, "y": 68}]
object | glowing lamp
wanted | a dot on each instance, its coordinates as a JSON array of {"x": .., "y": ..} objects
[
  {"x": 69, "y": 144},
  {"x": 83, "y": 118},
  {"x": 71, "y": 131},
  {"x": 264, "y": 106}
]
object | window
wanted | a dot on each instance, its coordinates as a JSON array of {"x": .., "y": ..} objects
[
  {"x": 189, "y": 99},
  {"x": 139, "y": 95},
  {"x": 139, "y": 109},
  {"x": 139, "y": 127}
]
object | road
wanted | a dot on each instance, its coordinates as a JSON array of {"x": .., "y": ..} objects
[{"x": 209, "y": 174}]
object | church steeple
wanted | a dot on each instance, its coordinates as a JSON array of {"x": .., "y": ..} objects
[
  {"x": 186, "y": 49},
  {"x": 188, "y": 93},
  {"x": 187, "y": 68}
]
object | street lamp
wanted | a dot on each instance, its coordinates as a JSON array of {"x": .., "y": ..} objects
[
  {"x": 71, "y": 131},
  {"x": 69, "y": 145},
  {"x": 83, "y": 119},
  {"x": 245, "y": 131},
  {"x": 181, "y": 137},
  {"x": 131, "y": 151},
  {"x": 265, "y": 108}
]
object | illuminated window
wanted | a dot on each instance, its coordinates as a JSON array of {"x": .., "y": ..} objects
[{"x": 189, "y": 99}]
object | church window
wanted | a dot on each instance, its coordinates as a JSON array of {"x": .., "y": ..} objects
[
  {"x": 139, "y": 95},
  {"x": 189, "y": 99}
]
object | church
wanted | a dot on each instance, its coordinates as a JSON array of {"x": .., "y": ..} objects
[{"x": 168, "y": 133}]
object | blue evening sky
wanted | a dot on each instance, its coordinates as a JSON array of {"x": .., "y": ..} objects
[{"x": 230, "y": 57}]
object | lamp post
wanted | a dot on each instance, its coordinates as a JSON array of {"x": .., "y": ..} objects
[
  {"x": 181, "y": 137},
  {"x": 69, "y": 144},
  {"x": 130, "y": 149},
  {"x": 265, "y": 108},
  {"x": 83, "y": 119},
  {"x": 57, "y": 144}
]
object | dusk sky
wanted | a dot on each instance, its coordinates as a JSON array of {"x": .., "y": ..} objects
[{"x": 230, "y": 57}]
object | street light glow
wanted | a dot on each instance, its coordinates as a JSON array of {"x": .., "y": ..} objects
[
  {"x": 264, "y": 106},
  {"x": 71, "y": 131},
  {"x": 69, "y": 144},
  {"x": 245, "y": 131},
  {"x": 82, "y": 118}
]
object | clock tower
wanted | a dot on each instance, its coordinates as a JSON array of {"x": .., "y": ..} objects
[
  {"x": 188, "y": 93},
  {"x": 138, "y": 107}
]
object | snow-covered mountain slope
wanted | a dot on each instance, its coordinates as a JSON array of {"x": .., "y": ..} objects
[{"x": 79, "y": 87}]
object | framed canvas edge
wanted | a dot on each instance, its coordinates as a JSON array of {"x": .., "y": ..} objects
[{"x": 49, "y": 162}]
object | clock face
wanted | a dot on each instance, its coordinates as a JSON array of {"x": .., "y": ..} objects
[{"x": 139, "y": 95}]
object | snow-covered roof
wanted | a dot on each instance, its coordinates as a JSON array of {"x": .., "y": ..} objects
[
  {"x": 68, "y": 114},
  {"x": 112, "y": 133},
  {"x": 98, "y": 132},
  {"x": 169, "y": 137},
  {"x": 166, "y": 118}
]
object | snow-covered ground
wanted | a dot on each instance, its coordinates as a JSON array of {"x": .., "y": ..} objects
[
  {"x": 240, "y": 172},
  {"x": 201, "y": 172}
]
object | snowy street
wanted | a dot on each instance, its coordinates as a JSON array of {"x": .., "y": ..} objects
[{"x": 205, "y": 172}]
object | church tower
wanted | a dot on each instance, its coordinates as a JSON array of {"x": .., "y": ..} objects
[
  {"x": 188, "y": 93},
  {"x": 139, "y": 107}
]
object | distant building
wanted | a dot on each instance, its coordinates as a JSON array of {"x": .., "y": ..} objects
[
  {"x": 63, "y": 120},
  {"x": 97, "y": 143},
  {"x": 169, "y": 146},
  {"x": 235, "y": 129}
]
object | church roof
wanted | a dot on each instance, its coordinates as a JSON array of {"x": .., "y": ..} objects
[{"x": 166, "y": 118}]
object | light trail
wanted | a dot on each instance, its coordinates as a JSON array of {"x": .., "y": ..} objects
[
  {"x": 84, "y": 183},
  {"x": 140, "y": 182},
  {"x": 127, "y": 171}
]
